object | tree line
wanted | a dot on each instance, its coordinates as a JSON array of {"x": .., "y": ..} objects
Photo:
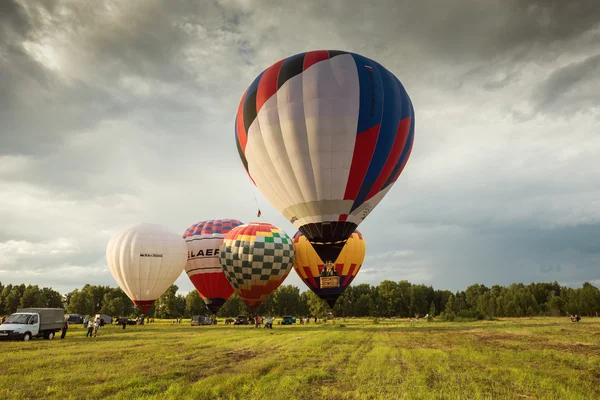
[{"x": 388, "y": 299}]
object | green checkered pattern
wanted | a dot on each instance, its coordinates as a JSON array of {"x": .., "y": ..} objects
[{"x": 245, "y": 261}]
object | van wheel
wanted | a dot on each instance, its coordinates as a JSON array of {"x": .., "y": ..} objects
[
  {"x": 50, "y": 336},
  {"x": 26, "y": 336}
]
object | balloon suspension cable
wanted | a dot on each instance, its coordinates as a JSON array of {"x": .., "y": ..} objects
[{"x": 259, "y": 212}]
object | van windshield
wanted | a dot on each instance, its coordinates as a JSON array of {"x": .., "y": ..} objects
[{"x": 18, "y": 319}]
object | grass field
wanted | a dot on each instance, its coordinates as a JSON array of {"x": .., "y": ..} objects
[{"x": 539, "y": 358}]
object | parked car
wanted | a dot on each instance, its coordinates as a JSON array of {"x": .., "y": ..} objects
[
  {"x": 201, "y": 320},
  {"x": 128, "y": 321},
  {"x": 28, "y": 323},
  {"x": 242, "y": 320},
  {"x": 288, "y": 320},
  {"x": 74, "y": 318}
]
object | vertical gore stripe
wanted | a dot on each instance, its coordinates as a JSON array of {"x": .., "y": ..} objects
[
  {"x": 249, "y": 110},
  {"x": 313, "y": 57},
  {"x": 371, "y": 93},
  {"x": 250, "y": 103},
  {"x": 240, "y": 130},
  {"x": 333, "y": 53},
  {"x": 291, "y": 67},
  {"x": 406, "y": 152},
  {"x": 267, "y": 85},
  {"x": 394, "y": 157},
  {"x": 369, "y": 118},
  {"x": 363, "y": 152},
  {"x": 387, "y": 134}
]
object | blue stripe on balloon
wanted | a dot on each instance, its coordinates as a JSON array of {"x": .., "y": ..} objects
[
  {"x": 407, "y": 145},
  {"x": 392, "y": 98},
  {"x": 371, "y": 93},
  {"x": 406, "y": 110},
  {"x": 253, "y": 87}
]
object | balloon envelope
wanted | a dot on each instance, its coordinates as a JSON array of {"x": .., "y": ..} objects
[
  {"x": 256, "y": 259},
  {"x": 309, "y": 266},
  {"x": 324, "y": 135},
  {"x": 203, "y": 241},
  {"x": 145, "y": 260}
]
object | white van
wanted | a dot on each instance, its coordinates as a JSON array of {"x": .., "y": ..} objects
[{"x": 28, "y": 323}]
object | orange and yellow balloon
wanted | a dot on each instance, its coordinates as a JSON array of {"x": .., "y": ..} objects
[{"x": 309, "y": 266}]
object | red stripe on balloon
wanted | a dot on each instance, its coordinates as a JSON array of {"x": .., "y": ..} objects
[
  {"x": 313, "y": 57},
  {"x": 239, "y": 121},
  {"x": 267, "y": 85},
  {"x": 363, "y": 152},
  {"x": 395, "y": 177},
  {"x": 393, "y": 157}
]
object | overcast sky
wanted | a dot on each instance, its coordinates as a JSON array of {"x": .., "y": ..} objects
[{"x": 119, "y": 112}]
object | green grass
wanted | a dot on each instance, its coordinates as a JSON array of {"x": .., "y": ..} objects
[{"x": 539, "y": 358}]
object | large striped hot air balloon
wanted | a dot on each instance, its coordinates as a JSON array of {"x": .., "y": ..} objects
[
  {"x": 145, "y": 260},
  {"x": 203, "y": 241},
  {"x": 256, "y": 259},
  {"x": 329, "y": 284},
  {"x": 324, "y": 135}
]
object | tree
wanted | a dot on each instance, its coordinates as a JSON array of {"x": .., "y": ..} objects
[
  {"x": 432, "y": 309},
  {"x": 13, "y": 300},
  {"x": 81, "y": 303},
  {"x": 31, "y": 297},
  {"x": 364, "y": 305},
  {"x": 233, "y": 307},
  {"x": 287, "y": 300},
  {"x": 449, "y": 310},
  {"x": 472, "y": 294},
  {"x": 51, "y": 298},
  {"x": 166, "y": 304},
  {"x": 317, "y": 307},
  {"x": 194, "y": 304},
  {"x": 4, "y": 307},
  {"x": 555, "y": 304},
  {"x": 391, "y": 299},
  {"x": 418, "y": 300}
]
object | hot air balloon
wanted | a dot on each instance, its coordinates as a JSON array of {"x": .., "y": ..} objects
[
  {"x": 324, "y": 135},
  {"x": 145, "y": 260},
  {"x": 256, "y": 259},
  {"x": 329, "y": 281},
  {"x": 203, "y": 241}
]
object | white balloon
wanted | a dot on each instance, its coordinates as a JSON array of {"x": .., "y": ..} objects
[{"x": 145, "y": 260}]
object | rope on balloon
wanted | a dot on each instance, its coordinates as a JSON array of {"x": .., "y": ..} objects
[{"x": 259, "y": 213}]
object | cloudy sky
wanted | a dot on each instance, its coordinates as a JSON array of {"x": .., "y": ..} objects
[{"x": 114, "y": 113}]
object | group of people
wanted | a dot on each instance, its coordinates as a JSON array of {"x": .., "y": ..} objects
[
  {"x": 93, "y": 326},
  {"x": 267, "y": 321},
  {"x": 331, "y": 271}
]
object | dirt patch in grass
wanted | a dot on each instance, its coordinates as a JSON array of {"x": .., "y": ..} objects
[{"x": 241, "y": 355}]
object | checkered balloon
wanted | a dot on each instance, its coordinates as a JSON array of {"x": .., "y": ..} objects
[{"x": 256, "y": 258}]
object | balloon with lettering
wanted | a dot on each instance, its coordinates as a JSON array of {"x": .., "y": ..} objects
[
  {"x": 329, "y": 281},
  {"x": 324, "y": 135},
  {"x": 145, "y": 260},
  {"x": 256, "y": 259},
  {"x": 203, "y": 241}
]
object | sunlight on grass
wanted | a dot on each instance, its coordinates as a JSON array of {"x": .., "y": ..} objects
[{"x": 532, "y": 358}]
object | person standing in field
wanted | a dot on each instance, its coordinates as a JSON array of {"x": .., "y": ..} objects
[
  {"x": 90, "y": 326},
  {"x": 64, "y": 328},
  {"x": 96, "y": 325}
]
